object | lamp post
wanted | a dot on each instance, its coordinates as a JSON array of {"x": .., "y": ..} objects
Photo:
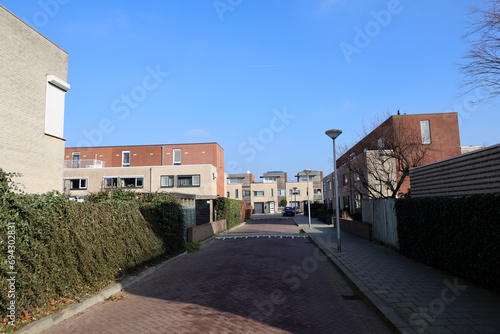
[
  {"x": 307, "y": 171},
  {"x": 334, "y": 133}
]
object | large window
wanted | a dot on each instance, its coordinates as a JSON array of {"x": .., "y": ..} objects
[
  {"x": 188, "y": 181},
  {"x": 78, "y": 184},
  {"x": 177, "y": 156},
  {"x": 125, "y": 158},
  {"x": 270, "y": 179},
  {"x": 259, "y": 193},
  {"x": 281, "y": 192},
  {"x": 166, "y": 181},
  {"x": 234, "y": 180},
  {"x": 303, "y": 178},
  {"x": 110, "y": 182},
  {"x": 425, "y": 128},
  {"x": 132, "y": 182},
  {"x": 246, "y": 193}
]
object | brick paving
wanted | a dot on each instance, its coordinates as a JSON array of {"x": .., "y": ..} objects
[
  {"x": 415, "y": 297},
  {"x": 254, "y": 285}
]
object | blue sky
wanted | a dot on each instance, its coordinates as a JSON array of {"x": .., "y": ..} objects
[{"x": 263, "y": 78}]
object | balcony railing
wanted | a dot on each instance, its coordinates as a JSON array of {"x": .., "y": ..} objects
[{"x": 84, "y": 164}]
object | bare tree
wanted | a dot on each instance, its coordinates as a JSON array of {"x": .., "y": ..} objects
[
  {"x": 388, "y": 153},
  {"x": 482, "y": 62}
]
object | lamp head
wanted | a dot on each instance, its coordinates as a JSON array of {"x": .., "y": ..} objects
[
  {"x": 333, "y": 133},
  {"x": 307, "y": 171}
]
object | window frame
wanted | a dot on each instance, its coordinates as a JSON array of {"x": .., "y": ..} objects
[
  {"x": 168, "y": 176},
  {"x": 257, "y": 192},
  {"x": 179, "y": 162},
  {"x": 75, "y": 161},
  {"x": 136, "y": 179},
  {"x": 192, "y": 183},
  {"x": 105, "y": 178},
  {"x": 124, "y": 164},
  {"x": 80, "y": 179},
  {"x": 425, "y": 132}
]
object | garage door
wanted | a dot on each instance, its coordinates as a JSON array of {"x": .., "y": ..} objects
[{"x": 259, "y": 207}]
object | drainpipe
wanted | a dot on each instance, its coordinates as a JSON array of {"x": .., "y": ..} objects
[
  {"x": 162, "y": 162},
  {"x": 151, "y": 179}
]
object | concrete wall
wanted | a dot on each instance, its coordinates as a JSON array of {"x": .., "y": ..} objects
[
  {"x": 200, "y": 232},
  {"x": 27, "y": 58},
  {"x": 381, "y": 215}
]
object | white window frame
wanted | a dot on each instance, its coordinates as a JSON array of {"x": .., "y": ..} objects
[
  {"x": 179, "y": 161},
  {"x": 75, "y": 162},
  {"x": 136, "y": 183},
  {"x": 124, "y": 164},
  {"x": 270, "y": 179},
  {"x": 281, "y": 192},
  {"x": 257, "y": 193},
  {"x": 110, "y": 177},
  {"x": 168, "y": 177},
  {"x": 234, "y": 180},
  {"x": 195, "y": 181},
  {"x": 80, "y": 187},
  {"x": 425, "y": 131}
]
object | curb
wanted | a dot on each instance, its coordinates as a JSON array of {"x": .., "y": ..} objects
[
  {"x": 207, "y": 242},
  {"x": 53, "y": 319},
  {"x": 386, "y": 312}
]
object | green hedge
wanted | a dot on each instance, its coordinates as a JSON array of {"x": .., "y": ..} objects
[
  {"x": 230, "y": 209},
  {"x": 458, "y": 235},
  {"x": 67, "y": 250}
]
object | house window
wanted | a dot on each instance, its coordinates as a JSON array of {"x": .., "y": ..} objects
[
  {"x": 259, "y": 193},
  {"x": 346, "y": 178},
  {"x": 425, "y": 129},
  {"x": 272, "y": 192},
  {"x": 281, "y": 192},
  {"x": 132, "y": 182},
  {"x": 356, "y": 176},
  {"x": 271, "y": 179},
  {"x": 188, "y": 181},
  {"x": 246, "y": 193},
  {"x": 54, "y": 107},
  {"x": 297, "y": 192},
  {"x": 75, "y": 158},
  {"x": 317, "y": 191},
  {"x": 346, "y": 203},
  {"x": 78, "y": 184},
  {"x": 381, "y": 143},
  {"x": 110, "y": 182},
  {"x": 234, "y": 180},
  {"x": 235, "y": 193},
  {"x": 125, "y": 158},
  {"x": 166, "y": 181},
  {"x": 303, "y": 178},
  {"x": 228, "y": 194},
  {"x": 177, "y": 156},
  {"x": 357, "y": 201}
]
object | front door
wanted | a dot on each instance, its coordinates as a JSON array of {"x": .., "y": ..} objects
[{"x": 271, "y": 207}]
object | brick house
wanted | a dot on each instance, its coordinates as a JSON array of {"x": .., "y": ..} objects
[
  {"x": 427, "y": 138},
  {"x": 187, "y": 168},
  {"x": 34, "y": 72}
]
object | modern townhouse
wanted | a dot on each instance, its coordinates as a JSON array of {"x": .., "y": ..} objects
[
  {"x": 196, "y": 169},
  {"x": 33, "y": 85},
  {"x": 425, "y": 137}
]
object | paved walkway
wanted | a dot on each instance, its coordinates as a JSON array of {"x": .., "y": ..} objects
[{"x": 415, "y": 298}]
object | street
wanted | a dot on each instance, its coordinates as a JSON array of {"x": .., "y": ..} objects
[{"x": 263, "y": 277}]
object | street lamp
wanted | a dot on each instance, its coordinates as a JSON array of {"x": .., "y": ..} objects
[
  {"x": 307, "y": 171},
  {"x": 334, "y": 133}
]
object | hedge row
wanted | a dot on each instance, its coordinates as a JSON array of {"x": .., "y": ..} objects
[
  {"x": 230, "y": 209},
  {"x": 65, "y": 249},
  {"x": 458, "y": 235}
]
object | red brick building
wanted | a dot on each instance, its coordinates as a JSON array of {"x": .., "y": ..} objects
[{"x": 149, "y": 155}]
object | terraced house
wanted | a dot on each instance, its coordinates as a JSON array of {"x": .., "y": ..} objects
[{"x": 196, "y": 169}]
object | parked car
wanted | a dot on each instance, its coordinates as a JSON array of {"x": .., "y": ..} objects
[
  {"x": 288, "y": 211},
  {"x": 297, "y": 210}
]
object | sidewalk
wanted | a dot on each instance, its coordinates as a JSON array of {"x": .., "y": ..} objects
[{"x": 415, "y": 298}]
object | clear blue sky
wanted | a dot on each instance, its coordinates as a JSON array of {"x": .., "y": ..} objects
[{"x": 263, "y": 78}]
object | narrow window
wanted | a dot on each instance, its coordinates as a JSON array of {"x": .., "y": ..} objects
[
  {"x": 54, "y": 106},
  {"x": 177, "y": 156},
  {"x": 236, "y": 193},
  {"x": 75, "y": 160},
  {"x": 425, "y": 128},
  {"x": 125, "y": 158}
]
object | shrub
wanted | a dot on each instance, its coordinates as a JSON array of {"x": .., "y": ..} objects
[
  {"x": 67, "y": 249},
  {"x": 458, "y": 235},
  {"x": 230, "y": 209}
]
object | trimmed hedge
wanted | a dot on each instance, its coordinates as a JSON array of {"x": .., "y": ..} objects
[
  {"x": 68, "y": 250},
  {"x": 458, "y": 235},
  {"x": 230, "y": 209}
]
